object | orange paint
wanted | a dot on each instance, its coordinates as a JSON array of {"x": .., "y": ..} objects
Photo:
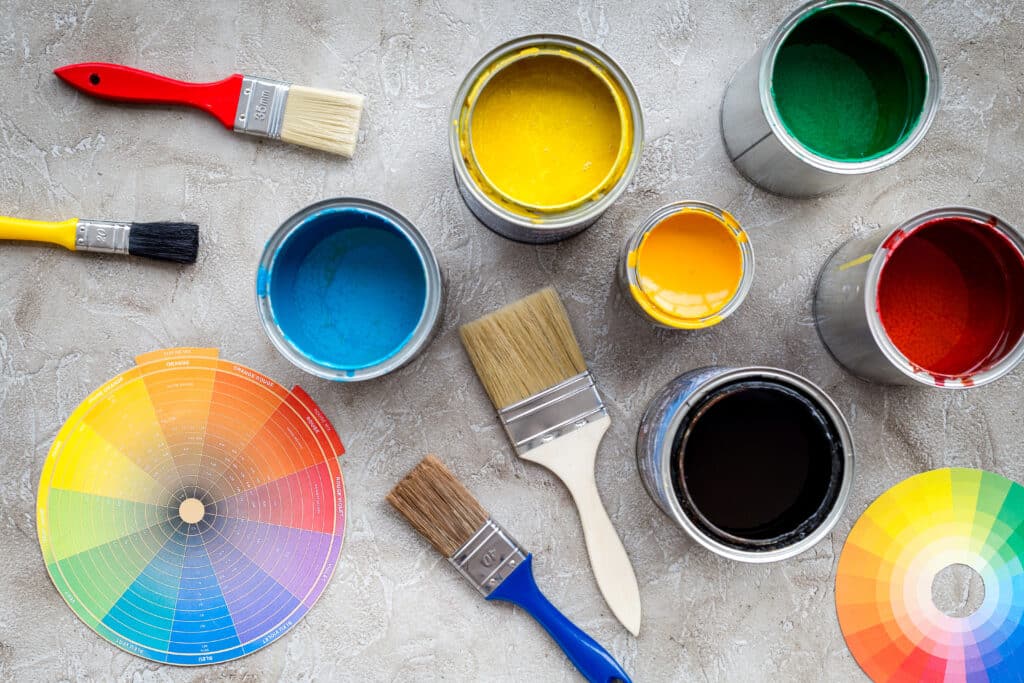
[{"x": 689, "y": 266}]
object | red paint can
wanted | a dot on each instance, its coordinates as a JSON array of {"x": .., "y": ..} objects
[{"x": 938, "y": 300}]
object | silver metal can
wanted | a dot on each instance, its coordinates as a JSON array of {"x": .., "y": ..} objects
[
  {"x": 660, "y": 442},
  {"x": 848, "y": 305},
  {"x": 522, "y": 220},
  {"x": 284, "y": 295},
  {"x": 765, "y": 150},
  {"x": 631, "y": 281}
]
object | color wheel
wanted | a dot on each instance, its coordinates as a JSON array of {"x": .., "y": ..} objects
[
  {"x": 904, "y": 539},
  {"x": 191, "y": 510}
]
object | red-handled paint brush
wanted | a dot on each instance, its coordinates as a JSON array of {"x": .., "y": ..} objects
[{"x": 323, "y": 119}]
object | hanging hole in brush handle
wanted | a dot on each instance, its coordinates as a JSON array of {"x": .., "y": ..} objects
[{"x": 592, "y": 660}]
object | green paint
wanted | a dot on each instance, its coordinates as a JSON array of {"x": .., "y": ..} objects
[{"x": 849, "y": 83}]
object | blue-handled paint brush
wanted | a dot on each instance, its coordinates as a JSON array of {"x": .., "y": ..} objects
[{"x": 438, "y": 506}]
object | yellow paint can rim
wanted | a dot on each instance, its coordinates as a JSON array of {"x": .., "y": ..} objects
[
  {"x": 627, "y": 125},
  {"x": 651, "y": 308}
]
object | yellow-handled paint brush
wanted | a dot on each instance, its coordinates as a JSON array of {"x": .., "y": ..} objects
[{"x": 166, "y": 241}]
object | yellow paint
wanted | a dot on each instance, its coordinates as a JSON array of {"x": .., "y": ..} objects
[
  {"x": 56, "y": 232},
  {"x": 688, "y": 268},
  {"x": 545, "y": 130},
  {"x": 856, "y": 262}
]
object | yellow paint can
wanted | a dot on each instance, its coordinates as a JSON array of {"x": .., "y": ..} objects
[
  {"x": 688, "y": 267},
  {"x": 545, "y": 134}
]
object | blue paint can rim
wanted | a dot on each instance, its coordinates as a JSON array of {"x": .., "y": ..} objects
[{"x": 429, "y": 317}]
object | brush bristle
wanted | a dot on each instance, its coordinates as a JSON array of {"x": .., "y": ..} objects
[
  {"x": 322, "y": 119},
  {"x": 166, "y": 241},
  {"x": 438, "y": 506},
  {"x": 523, "y": 348}
]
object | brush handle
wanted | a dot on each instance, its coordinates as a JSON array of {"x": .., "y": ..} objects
[
  {"x": 125, "y": 84},
  {"x": 593, "y": 661},
  {"x": 53, "y": 232},
  {"x": 571, "y": 458}
]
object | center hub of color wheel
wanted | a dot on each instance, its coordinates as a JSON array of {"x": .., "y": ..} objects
[
  {"x": 958, "y": 590},
  {"x": 191, "y": 510}
]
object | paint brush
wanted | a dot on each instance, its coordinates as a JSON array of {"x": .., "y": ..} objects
[
  {"x": 530, "y": 364},
  {"x": 440, "y": 508},
  {"x": 165, "y": 241},
  {"x": 327, "y": 120}
]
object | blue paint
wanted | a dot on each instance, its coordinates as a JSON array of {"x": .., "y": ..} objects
[{"x": 347, "y": 288}]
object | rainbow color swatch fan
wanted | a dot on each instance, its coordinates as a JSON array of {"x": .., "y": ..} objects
[
  {"x": 891, "y": 558},
  {"x": 191, "y": 510}
]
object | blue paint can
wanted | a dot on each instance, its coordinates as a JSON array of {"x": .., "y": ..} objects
[{"x": 349, "y": 290}]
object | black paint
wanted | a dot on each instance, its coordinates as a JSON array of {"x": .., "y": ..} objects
[{"x": 757, "y": 464}]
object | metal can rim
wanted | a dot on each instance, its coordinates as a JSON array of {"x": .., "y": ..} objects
[
  {"x": 827, "y": 405},
  {"x": 929, "y": 109},
  {"x": 877, "y": 329},
  {"x": 575, "y": 216},
  {"x": 746, "y": 252},
  {"x": 425, "y": 328}
]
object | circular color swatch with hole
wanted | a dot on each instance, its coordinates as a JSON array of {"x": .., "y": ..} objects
[
  {"x": 903, "y": 540},
  {"x": 191, "y": 510}
]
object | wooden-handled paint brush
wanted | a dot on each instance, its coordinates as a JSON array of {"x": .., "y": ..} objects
[
  {"x": 530, "y": 364},
  {"x": 438, "y": 506},
  {"x": 165, "y": 241},
  {"x": 323, "y": 119}
]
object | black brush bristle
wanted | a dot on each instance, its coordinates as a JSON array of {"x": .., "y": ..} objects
[{"x": 166, "y": 241}]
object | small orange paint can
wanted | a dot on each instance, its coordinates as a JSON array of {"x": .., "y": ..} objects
[{"x": 688, "y": 266}]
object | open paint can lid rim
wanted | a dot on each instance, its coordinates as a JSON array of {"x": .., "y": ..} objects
[
  {"x": 896, "y": 357},
  {"x": 828, "y": 408},
  {"x": 929, "y": 107},
  {"x": 657, "y": 312},
  {"x": 588, "y": 209},
  {"x": 418, "y": 339}
]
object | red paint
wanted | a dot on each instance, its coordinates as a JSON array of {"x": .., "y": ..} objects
[
  {"x": 125, "y": 84},
  {"x": 951, "y": 296},
  {"x": 892, "y": 240}
]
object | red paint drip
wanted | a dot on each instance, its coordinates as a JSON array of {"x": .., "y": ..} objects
[{"x": 951, "y": 296}]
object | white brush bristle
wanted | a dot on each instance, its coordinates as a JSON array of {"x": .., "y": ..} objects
[{"x": 322, "y": 119}]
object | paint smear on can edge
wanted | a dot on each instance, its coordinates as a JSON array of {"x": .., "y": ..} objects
[
  {"x": 689, "y": 267},
  {"x": 950, "y": 297}
]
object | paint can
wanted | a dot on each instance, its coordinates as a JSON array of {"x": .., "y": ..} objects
[
  {"x": 687, "y": 267},
  {"x": 936, "y": 301},
  {"x": 841, "y": 89},
  {"x": 755, "y": 463},
  {"x": 348, "y": 290},
  {"x": 546, "y": 132}
]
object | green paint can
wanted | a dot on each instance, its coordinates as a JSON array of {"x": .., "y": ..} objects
[{"x": 840, "y": 90}]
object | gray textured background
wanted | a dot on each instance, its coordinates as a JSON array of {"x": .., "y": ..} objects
[{"x": 395, "y": 610}]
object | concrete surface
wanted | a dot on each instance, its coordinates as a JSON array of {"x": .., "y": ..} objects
[{"x": 395, "y": 610}]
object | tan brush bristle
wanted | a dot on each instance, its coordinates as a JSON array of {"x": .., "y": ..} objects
[
  {"x": 322, "y": 119},
  {"x": 438, "y": 506},
  {"x": 523, "y": 348}
]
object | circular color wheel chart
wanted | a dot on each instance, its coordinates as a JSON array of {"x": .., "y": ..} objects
[
  {"x": 192, "y": 510},
  {"x": 891, "y": 558}
]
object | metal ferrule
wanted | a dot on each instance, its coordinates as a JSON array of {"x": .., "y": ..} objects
[
  {"x": 261, "y": 107},
  {"x": 488, "y": 557},
  {"x": 543, "y": 417},
  {"x": 105, "y": 237}
]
